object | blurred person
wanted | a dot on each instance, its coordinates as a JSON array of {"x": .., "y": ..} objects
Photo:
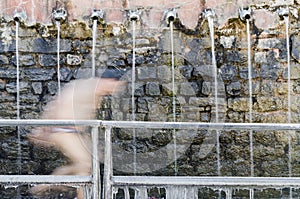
[{"x": 78, "y": 100}]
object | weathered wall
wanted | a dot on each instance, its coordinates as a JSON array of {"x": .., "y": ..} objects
[
  {"x": 115, "y": 10},
  {"x": 194, "y": 82}
]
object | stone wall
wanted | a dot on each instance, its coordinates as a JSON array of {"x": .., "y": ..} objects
[{"x": 194, "y": 87}]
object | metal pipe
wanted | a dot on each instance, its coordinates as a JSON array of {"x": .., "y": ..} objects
[
  {"x": 208, "y": 13},
  {"x": 134, "y": 15},
  {"x": 215, "y": 181},
  {"x": 59, "y": 14},
  {"x": 171, "y": 15},
  {"x": 108, "y": 170},
  {"x": 95, "y": 163},
  {"x": 98, "y": 15},
  {"x": 20, "y": 16},
  {"x": 245, "y": 14},
  {"x": 48, "y": 179},
  {"x": 153, "y": 125},
  {"x": 283, "y": 12}
]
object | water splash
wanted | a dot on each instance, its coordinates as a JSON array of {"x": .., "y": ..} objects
[
  {"x": 95, "y": 23},
  {"x": 58, "y": 55}
]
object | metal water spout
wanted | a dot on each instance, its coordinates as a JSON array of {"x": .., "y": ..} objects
[
  {"x": 245, "y": 14},
  {"x": 283, "y": 12},
  {"x": 59, "y": 15},
  {"x": 135, "y": 15},
  {"x": 209, "y": 13},
  {"x": 20, "y": 16},
  {"x": 98, "y": 15},
  {"x": 171, "y": 15}
]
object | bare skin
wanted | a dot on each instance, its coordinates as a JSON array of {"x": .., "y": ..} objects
[{"x": 77, "y": 101}]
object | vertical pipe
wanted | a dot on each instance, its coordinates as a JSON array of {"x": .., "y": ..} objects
[
  {"x": 95, "y": 163},
  {"x": 108, "y": 167}
]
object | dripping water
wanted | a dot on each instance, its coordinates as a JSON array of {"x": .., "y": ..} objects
[
  {"x": 94, "y": 47},
  {"x": 174, "y": 95},
  {"x": 58, "y": 55},
  {"x": 132, "y": 92}
]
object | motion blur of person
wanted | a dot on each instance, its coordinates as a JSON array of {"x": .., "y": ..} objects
[{"x": 78, "y": 100}]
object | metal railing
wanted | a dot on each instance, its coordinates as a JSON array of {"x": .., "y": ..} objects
[{"x": 110, "y": 180}]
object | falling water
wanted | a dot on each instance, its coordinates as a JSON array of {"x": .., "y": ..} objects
[
  {"x": 289, "y": 117},
  {"x": 228, "y": 193},
  {"x": 132, "y": 92},
  {"x": 58, "y": 55},
  {"x": 94, "y": 47},
  {"x": 174, "y": 94},
  {"x": 19, "y": 158},
  {"x": 251, "y": 191},
  {"x": 250, "y": 97},
  {"x": 18, "y": 96},
  {"x": 181, "y": 192},
  {"x": 215, "y": 72}
]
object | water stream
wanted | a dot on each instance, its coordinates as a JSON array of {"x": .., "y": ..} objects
[
  {"x": 95, "y": 23},
  {"x": 173, "y": 94},
  {"x": 58, "y": 56},
  {"x": 215, "y": 74},
  {"x": 19, "y": 158},
  {"x": 251, "y": 191},
  {"x": 133, "y": 78},
  {"x": 289, "y": 116}
]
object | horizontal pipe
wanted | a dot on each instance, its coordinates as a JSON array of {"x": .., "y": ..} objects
[
  {"x": 47, "y": 179},
  {"x": 154, "y": 125},
  {"x": 245, "y": 182}
]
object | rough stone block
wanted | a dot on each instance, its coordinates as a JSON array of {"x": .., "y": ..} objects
[
  {"x": 74, "y": 60},
  {"x": 24, "y": 60},
  {"x": 3, "y": 60},
  {"x": 270, "y": 71},
  {"x": 42, "y": 45},
  {"x": 188, "y": 89},
  {"x": 153, "y": 89},
  {"x": 8, "y": 73},
  {"x": 37, "y": 87},
  {"x": 38, "y": 74},
  {"x": 48, "y": 60},
  {"x": 228, "y": 72},
  {"x": 227, "y": 41},
  {"x": 234, "y": 88},
  {"x": 145, "y": 73}
]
